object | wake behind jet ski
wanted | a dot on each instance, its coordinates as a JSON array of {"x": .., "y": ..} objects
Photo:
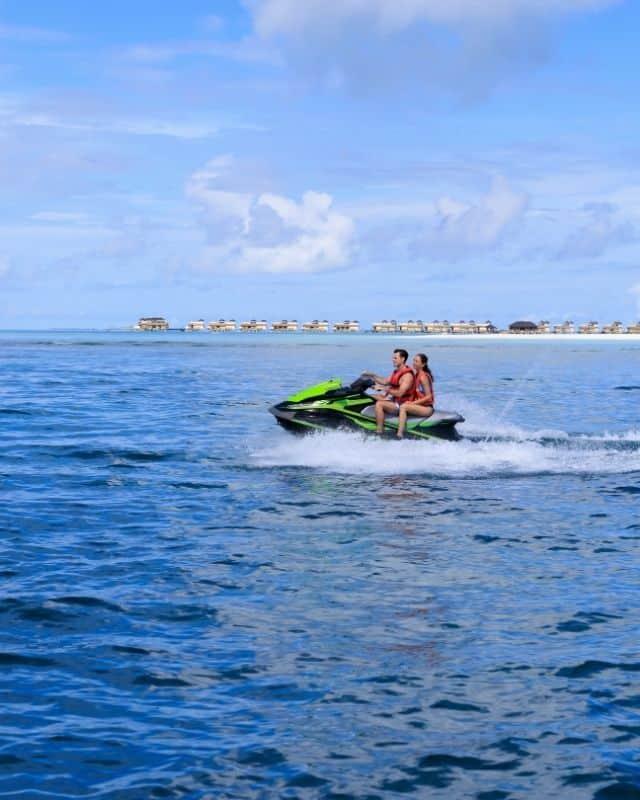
[{"x": 330, "y": 405}]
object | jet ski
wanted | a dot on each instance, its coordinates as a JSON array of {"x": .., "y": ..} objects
[{"x": 331, "y": 405}]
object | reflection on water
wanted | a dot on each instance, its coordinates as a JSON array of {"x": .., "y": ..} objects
[{"x": 196, "y": 604}]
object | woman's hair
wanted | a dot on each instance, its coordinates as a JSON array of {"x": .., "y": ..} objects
[{"x": 425, "y": 364}]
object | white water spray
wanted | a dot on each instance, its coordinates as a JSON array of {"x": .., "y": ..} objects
[{"x": 504, "y": 450}]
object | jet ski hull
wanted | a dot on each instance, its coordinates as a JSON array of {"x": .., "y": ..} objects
[{"x": 350, "y": 408}]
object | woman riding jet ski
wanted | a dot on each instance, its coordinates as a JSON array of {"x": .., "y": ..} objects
[{"x": 331, "y": 405}]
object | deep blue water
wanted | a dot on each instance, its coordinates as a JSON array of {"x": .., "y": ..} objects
[{"x": 196, "y": 604}]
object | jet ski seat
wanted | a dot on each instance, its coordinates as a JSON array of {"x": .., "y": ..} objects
[
  {"x": 438, "y": 417},
  {"x": 370, "y": 411}
]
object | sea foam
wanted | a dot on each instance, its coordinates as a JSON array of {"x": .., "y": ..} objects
[{"x": 504, "y": 451}]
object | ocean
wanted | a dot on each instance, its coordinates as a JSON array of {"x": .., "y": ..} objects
[{"x": 197, "y": 604}]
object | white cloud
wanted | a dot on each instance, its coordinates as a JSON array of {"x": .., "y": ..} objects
[
  {"x": 367, "y": 46},
  {"x": 220, "y": 206},
  {"x": 266, "y": 232},
  {"x": 480, "y": 224},
  {"x": 320, "y": 237},
  {"x": 275, "y": 17},
  {"x": 450, "y": 229},
  {"x": 248, "y": 50},
  {"x": 550, "y": 206},
  {"x": 18, "y": 110},
  {"x": 447, "y": 228},
  {"x": 601, "y": 227},
  {"x": 134, "y": 127}
]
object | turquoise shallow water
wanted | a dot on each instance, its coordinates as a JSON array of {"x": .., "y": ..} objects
[{"x": 197, "y": 604}]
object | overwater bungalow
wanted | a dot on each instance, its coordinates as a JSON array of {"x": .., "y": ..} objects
[
  {"x": 316, "y": 326},
  {"x": 589, "y": 327},
  {"x": 386, "y": 326},
  {"x": 437, "y": 327},
  {"x": 411, "y": 326},
  {"x": 347, "y": 326},
  {"x": 486, "y": 327},
  {"x": 254, "y": 326},
  {"x": 285, "y": 326},
  {"x": 463, "y": 327},
  {"x": 195, "y": 325},
  {"x": 151, "y": 324},
  {"x": 222, "y": 325}
]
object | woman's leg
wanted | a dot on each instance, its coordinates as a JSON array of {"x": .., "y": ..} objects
[
  {"x": 402, "y": 420},
  {"x": 414, "y": 410}
]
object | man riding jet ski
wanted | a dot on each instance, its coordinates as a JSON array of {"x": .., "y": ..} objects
[{"x": 331, "y": 405}]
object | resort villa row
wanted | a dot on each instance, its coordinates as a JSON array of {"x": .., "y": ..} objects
[
  {"x": 292, "y": 326},
  {"x": 587, "y": 328},
  {"x": 525, "y": 327},
  {"x": 252, "y": 325},
  {"x": 519, "y": 327},
  {"x": 435, "y": 327}
]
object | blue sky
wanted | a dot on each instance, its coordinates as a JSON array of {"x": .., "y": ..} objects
[{"x": 289, "y": 158}]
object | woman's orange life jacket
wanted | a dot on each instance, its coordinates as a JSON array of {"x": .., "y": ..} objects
[
  {"x": 394, "y": 383},
  {"x": 419, "y": 393}
]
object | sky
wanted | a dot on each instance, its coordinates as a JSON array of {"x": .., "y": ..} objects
[{"x": 300, "y": 159}]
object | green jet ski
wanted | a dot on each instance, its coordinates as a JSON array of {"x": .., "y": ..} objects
[{"x": 331, "y": 405}]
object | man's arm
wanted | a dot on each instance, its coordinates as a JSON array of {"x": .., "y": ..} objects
[
  {"x": 403, "y": 386},
  {"x": 377, "y": 378}
]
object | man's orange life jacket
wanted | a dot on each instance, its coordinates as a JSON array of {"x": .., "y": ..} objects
[{"x": 394, "y": 383}]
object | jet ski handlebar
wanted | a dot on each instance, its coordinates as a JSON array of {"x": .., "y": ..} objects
[{"x": 360, "y": 385}]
